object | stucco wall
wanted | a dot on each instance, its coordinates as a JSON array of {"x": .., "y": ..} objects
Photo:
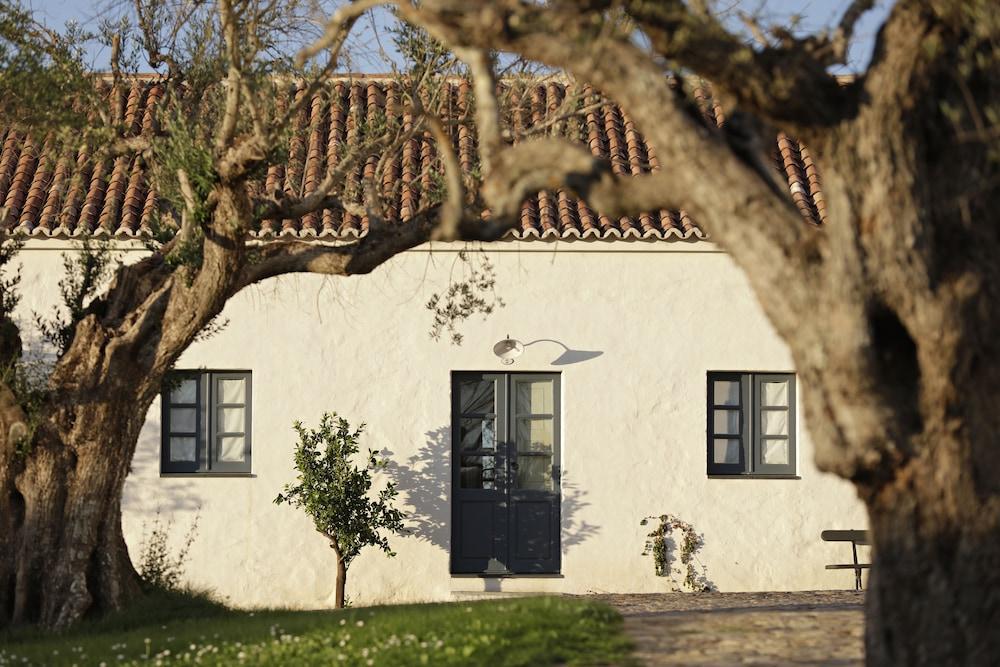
[{"x": 633, "y": 422}]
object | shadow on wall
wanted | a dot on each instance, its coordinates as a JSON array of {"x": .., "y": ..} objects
[
  {"x": 425, "y": 478},
  {"x": 569, "y": 356},
  {"x": 163, "y": 495}
]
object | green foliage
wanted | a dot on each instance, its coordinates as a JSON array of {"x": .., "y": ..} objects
[
  {"x": 661, "y": 544},
  {"x": 170, "y": 628},
  {"x": 40, "y": 72},
  {"x": 335, "y": 493},
  {"x": 475, "y": 293},
  {"x": 157, "y": 566},
  {"x": 28, "y": 380},
  {"x": 85, "y": 273},
  {"x": 423, "y": 56}
]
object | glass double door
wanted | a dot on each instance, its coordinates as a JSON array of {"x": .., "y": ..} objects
[{"x": 505, "y": 473}]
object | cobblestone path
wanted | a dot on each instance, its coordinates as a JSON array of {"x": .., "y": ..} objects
[{"x": 801, "y": 628}]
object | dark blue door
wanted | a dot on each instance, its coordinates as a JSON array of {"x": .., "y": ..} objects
[{"x": 505, "y": 461}]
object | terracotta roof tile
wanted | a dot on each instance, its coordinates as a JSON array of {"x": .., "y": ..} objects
[{"x": 49, "y": 190}]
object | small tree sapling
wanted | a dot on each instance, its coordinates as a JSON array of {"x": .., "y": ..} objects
[{"x": 335, "y": 493}]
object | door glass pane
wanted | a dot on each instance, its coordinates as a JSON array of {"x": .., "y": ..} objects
[
  {"x": 186, "y": 391},
  {"x": 774, "y": 422},
  {"x": 726, "y": 392},
  {"x": 478, "y": 472},
  {"x": 232, "y": 390},
  {"x": 183, "y": 420},
  {"x": 535, "y": 435},
  {"x": 477, "y": 433},
  {"x": 775, "y": 393},
  {"x": 476, "y": 396},
  {"x": 726, "y": 450},
  {"x": 775, "y": 451},
  {"x": 231, "y": 448},
  {"x": 726, "y": 422},
  {"x": 232, "y": 420},
  {"x": 534, "y": 397},
  {"x": 182, "y": 449},
  {"x": 534, "y": 473}
]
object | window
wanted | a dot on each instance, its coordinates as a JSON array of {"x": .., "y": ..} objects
[
  {"x": 751, "y": 424},
  {"x": 206, "y": 422}
]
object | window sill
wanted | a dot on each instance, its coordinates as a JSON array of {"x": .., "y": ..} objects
[
  {"x": 207, "y": 474},
  {"x": 508, "y": 575},
  {"x": 754, "y": 476}
]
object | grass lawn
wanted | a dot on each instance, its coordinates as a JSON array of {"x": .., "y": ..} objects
[{"x": 169, "y": 629}]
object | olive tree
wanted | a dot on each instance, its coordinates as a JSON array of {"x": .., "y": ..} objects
[{"x": 336, "y": 494}]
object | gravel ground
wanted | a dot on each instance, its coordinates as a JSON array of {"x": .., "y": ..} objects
[{"x": 800, "y": 628}]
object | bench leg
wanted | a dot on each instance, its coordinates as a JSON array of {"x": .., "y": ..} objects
[{"x": 857, "y": 570}]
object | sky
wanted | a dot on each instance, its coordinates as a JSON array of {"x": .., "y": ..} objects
[{"x": 813, "y": 15}]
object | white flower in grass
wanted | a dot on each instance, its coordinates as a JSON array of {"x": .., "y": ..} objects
[{"x": 360, "y": 624}]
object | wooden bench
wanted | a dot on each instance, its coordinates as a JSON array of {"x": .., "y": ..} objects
[{"x": 855, "y": 537}]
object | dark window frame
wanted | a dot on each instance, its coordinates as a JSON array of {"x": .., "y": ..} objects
[
  {"x": 207, "y": 437},
  {"x": 751, "y": 438}
]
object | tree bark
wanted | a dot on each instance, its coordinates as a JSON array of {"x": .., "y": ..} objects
[
  {"x": 339, "y": 597},
  {"x": 65, "y": 554},
  {"x": 934, "y": 593}
]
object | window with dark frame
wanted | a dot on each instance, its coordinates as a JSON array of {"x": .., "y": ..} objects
[
  {"x": 206, "y": 422},
  {"x": 751, "y": 424}
]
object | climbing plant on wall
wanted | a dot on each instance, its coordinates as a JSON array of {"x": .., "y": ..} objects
[{"x": 674, "y": 560}]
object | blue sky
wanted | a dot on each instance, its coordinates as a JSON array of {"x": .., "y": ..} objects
[{"x": 814, "y": 15}]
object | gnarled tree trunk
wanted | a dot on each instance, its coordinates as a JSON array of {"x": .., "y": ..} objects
[{"x": 63, "y": 463}]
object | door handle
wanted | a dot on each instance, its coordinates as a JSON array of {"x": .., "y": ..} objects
[{"x": 513, "y": 465}]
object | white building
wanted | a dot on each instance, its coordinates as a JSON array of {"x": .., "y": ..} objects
[{"x": 650, "y": 383}]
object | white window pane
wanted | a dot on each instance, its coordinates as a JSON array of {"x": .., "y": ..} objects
[
  {"x": 186, "y": 391},
  {"x": 535, "y": 473},
  {"x": 727, "y": 392},
  {"x": 774, "y": 422},
  {"x": 535, "y": 435},
  {"x": 726, "y": 450},
  {"x": 232, "y": 391},
  {"x": 232, "y": 420},
  {"x": 231, "y": 448},
  {"x": 775, "y": 393},
  {"x": 183, "y": 420},
  {"x": 535, "y": 397},
  {"x": 775, "y": 452},
  {"x": 726, "y": 422},
  {"x": 182, "y": 449}
]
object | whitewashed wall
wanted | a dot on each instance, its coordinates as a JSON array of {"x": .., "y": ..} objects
[{"x": 633, "y": 422}]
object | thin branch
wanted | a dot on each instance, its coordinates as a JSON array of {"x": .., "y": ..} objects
[
  {"x": 841, "y": 40},
  {"x": 336, "y": 29}
]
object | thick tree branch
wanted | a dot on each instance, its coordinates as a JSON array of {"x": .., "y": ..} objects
[
  {"x": 451, "y": 211},
  {"x": 487, "y": 109},
  {"x": 231, "y": 111},
  {"x": 728, "y": 195},
  {"x": 788, "y": 84},
  {"x": 549, "y": 164}
]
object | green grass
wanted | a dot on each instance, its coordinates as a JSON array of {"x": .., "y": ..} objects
[{"x": 171, "y": 629}]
